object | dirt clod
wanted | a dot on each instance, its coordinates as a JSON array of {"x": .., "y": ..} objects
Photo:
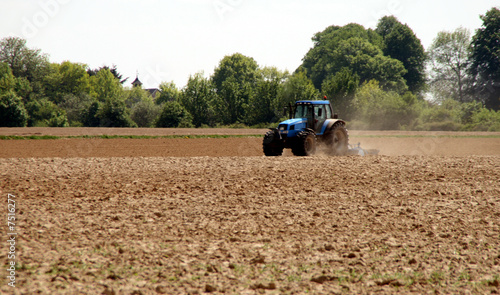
[
  {"x": 269, "y": 286},
  {"x": 210, "y": 288}
]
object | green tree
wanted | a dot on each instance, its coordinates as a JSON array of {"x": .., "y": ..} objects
[
  {"x": 23, "y": 88},
  {"x": 377, "y": 109},
  {"x": 401, "y": 43},
  {"x": 12, "y": 110},
  {"x": 104, "y": 86},
  {"x": 368, "y": 62},
  {"x": 113, "y": 70},
  {"x": 90, "y": 115},
  {"x": 449, "y": 61},
  {"x": 7, "y": 79},
  {"x": 77, "y": 109},
  {"x": 443, "y": 116},
  {"x": 235, "y": 79},
  {"x": 45, "y": 113},
  {"x": 168, "y": 92},
  {"x": 8, "y": 82},
  {"x": 485, "y": 120},
  {"x": 357, "y": 49},
  {"x": 485, "y": 67},
  {"x": 319, "y": 62},
  {"x": 198, "y": 97},
  {"x": 467, "y": 110},
  {"x": 232, "y": 101},
  {"x": 136, "y": 95},
  {"x": 264, "y": 105},
  {"x": 296, "y": 87},
  {"x": 238, "y": 66},
  {"x": 145, "y": 112},
  {"x": 66, "y": 78},
  {"x": 112, "y": 110},
  {"x": 174, "y": 115},
  {"x": 340, "y": 89},
  {"x": 26, "y": 63},
  {"x": 114, "y": 113},
  {"x": 385, "y": 26}
]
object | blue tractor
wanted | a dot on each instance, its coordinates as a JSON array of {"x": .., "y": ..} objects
[{"x": 311, "y": 122}]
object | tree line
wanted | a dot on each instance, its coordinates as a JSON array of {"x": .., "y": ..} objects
[{"x": 378, "y": 78}]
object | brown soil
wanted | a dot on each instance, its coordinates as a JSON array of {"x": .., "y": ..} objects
[
  {"x": 391, "y": 143},
  {"x": 180, "y": 216}
]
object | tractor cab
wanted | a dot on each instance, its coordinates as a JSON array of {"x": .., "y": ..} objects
[{"x": 315, "y": 112}]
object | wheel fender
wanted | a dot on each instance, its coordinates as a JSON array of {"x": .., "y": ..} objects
[{"x": 329, "y": 124}]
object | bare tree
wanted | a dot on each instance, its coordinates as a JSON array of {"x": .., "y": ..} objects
[{"x": 449, "y": 64}]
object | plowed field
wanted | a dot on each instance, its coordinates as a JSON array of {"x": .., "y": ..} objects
[{"x": 212, "y": 215}]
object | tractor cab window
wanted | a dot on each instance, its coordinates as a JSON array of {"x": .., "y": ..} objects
[
  {"x": 319, "y": 112},
  {"x": 320, "y": 117},
  {"x": 303, "y": 111},
  {"x": 328, "y": 112}
]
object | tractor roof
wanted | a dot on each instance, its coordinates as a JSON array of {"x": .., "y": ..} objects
[{"x": 313, "y": 102}]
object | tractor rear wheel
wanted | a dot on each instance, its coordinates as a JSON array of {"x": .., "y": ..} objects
[
  {"x": 271, "y": 145},
  {"x": 337, "y": 139},
  {"x": 305, "y": 145}
]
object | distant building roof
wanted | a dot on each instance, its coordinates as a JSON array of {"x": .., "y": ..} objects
[
  {"x": 137, "y": 82},
  {"x": 153, "y": 91}
]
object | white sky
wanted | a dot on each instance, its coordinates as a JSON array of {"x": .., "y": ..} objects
[{"x": 170, "y": 40}]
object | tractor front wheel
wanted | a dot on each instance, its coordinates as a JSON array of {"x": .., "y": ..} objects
[{"x": 272, "y": 145}]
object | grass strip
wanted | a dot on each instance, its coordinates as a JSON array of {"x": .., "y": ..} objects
[
  {"x": 52, "y": 137},
  {"x": 37, "y": 137}
]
